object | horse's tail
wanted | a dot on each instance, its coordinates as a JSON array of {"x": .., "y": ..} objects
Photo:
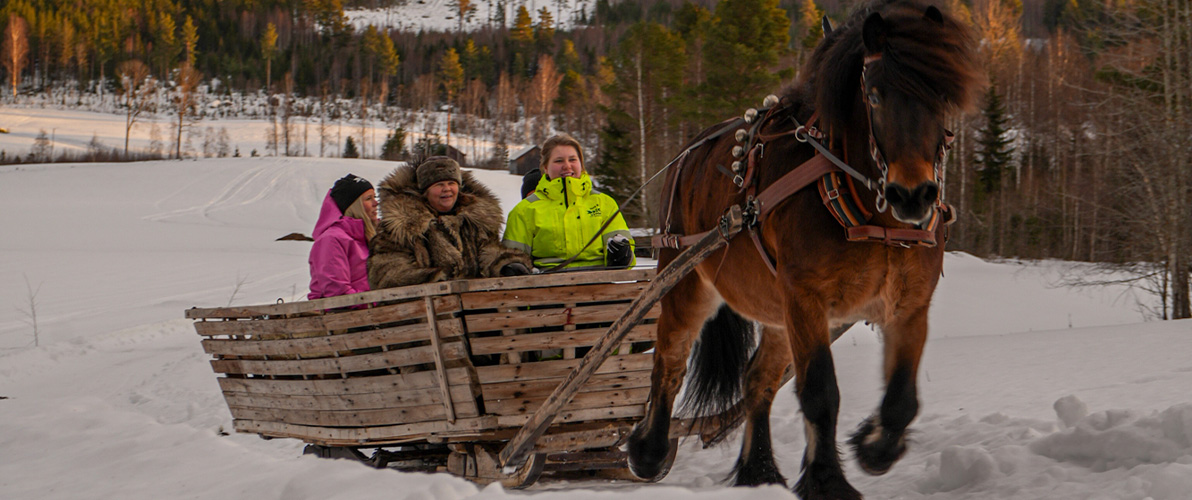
[{"x": 716, "y": 373}]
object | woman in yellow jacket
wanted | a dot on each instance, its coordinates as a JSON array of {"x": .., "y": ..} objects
[{"x": 564, "y": 214}]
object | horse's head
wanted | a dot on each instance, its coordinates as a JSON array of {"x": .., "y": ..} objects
[{"x": 907, "y": 67}]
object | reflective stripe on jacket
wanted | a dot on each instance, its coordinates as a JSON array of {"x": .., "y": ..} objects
[{"x": 555, "y": 222}]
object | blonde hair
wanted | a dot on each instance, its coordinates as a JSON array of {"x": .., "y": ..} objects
[
  {"x": 356, "y": 211},
  {"x": 561, "y": 140}
]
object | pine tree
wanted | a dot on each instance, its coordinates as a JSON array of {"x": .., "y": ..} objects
[
  {"x": 994, "y": 152},
  {"x": 744, "y": 42},
  {"x": 268, "y": 51},
  {"x": 350, "y": 150},
  {"x": 190, "y": 39},
  {"x": 395, "y": 145}
]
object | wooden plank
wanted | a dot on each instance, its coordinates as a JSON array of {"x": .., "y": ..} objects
[
  {"x": 514, "y": 454},
  {"x": 553, "y": 295},
  {"x": 346, "y": 364},
  {"x": 260, "y": 326},
  {"x": 338, "y": 320},
  {"x": 419, "y": 291},
  {"x": 542, "y": 388},
  {"x": 606, "y": 436},
  {"x": 583, "y": 415},
  {"x": 448, "y": 328},
  {"x": 386, "y": 314},
  {"x": 349, "y": 418},
  {"x": 554, "y": 340},
  {"x": 557, "y": 369},
  {"x": 375, "y": 434},
  {"x": 330, "y": 303},
  {"x": 582, "y": 400},
  {"x": 562, "y": 279},
  {"x": 334, "y": 387},
  {"x": 460, "y": 394},
  {"x": 433, "y": 330},
  {"x": 605, "y": 313}
]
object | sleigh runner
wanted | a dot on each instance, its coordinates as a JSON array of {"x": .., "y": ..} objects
[{"x": 442, "y": 376}]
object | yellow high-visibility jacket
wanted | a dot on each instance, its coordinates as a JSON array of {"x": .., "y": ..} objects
[{"x": 555, "y": 222}]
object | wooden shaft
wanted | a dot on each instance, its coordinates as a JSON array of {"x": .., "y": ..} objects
[
  {"x": 433, "y": 325},
  {"x": 515, "y": 452}
]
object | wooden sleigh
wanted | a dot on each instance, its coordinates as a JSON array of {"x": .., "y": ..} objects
[{"x": 461, "y": 376}]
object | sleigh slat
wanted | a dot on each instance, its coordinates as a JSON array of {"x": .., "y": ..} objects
[
  {"x": 554, "y": 340},
  {"x": 560, "y": 316},
  {"x": 339, "y": 365},
  {"x": 384, "y": 384}
]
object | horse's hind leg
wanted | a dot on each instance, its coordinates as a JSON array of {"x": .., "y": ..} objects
[
  {"x": 881, "y": 439},
  {"x": 819, "y": 398},
  {"x": 756, "y": 464},
  {"x": 684, "y": 310}
]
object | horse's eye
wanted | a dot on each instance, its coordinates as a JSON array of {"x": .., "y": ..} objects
[{"x": 874, "y": 99}]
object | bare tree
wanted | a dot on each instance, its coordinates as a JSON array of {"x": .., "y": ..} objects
[
  {"x": 16, "y": 48},
  {"x": 541, "y": 94},
  {"x": 185, "y": 102},
  {"x": 137, "y": 89},
  {"x": 31, "y": 312}
]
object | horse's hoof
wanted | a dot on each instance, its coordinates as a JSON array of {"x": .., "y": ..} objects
[
  {"x": 876, "y": 449},
  {"x": 757, "y": 476},
  {"x": 825, "y": 483},
  {"x": 651, "y": 463}
]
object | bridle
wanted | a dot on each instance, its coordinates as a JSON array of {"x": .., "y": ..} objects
[{"x": 875, "y": 149}]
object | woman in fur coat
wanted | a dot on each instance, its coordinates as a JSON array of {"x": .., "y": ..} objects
[{"x": 437, "y": 224}]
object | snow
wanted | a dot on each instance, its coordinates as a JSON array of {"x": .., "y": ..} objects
[
  {"x": 1028, "y": 391},
  {"x": 440, "y": 15}
]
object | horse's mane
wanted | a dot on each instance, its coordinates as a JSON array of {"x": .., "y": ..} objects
[{"x": 935, "y": 63}]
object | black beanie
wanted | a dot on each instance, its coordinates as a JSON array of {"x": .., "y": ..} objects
[
  {"x": 530, "y": 182},
  {"x": 347, "y": 190},
  {"x": 437, "y": 169}
]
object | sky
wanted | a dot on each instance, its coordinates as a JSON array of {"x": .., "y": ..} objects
[{"x": 1029, "y": 391}]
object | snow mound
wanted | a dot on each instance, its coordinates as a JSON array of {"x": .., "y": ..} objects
[{"x": 1120, "y": 438}]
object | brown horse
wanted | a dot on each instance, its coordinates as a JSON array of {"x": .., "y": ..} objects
[{"x": 881, "y": 85}]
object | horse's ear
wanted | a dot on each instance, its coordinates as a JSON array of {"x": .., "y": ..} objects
[
  {"x": 827, "y": 25},
  {"x": 874, "y": 33},
  {"x": 934, "y": 14}
]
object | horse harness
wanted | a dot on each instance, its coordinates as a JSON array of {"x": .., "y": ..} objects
[{"x": 835, "y": 179}]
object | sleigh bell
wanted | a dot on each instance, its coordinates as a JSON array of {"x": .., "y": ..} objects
[
  {"x": 770, "y": 101},
  {"x": 741, "y": 135},
  {"x": 750, "y": 115},
  {"x": 738, "y": 151}
]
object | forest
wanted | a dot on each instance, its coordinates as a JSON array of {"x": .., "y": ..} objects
[{"x": 1080, "y": 149}]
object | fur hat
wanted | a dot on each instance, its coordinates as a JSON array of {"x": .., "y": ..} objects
[
  {"x": 437, "y": 169},
  {"x": 530, "y": 182},
  {"x": 347, "y": 189}
]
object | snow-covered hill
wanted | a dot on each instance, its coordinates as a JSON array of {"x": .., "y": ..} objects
[
  {"x": 1029, "y": 391},
  {"x": 441, "y": 15}
]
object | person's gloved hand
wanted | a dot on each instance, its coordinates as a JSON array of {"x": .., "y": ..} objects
[
  {"x": 619, "y": 251},
  {"x": 514, "y": 269}
]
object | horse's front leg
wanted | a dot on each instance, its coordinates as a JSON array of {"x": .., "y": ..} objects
[
  {"x": 684, "y": 310},
  {"x": 881, "y": 439},
  {"x": 819, "y": 398},
  {"x": 756, "y": 466}
]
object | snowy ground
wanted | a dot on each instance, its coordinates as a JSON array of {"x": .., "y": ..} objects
[
  {"x": 440, "y": 15},
  {"x": 99, "y": 119},
  {"x": 1029, "y": 391}
]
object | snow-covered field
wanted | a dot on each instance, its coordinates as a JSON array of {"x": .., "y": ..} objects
[
  {"x": 440, "y": 15},
  {"x": 240, "y": 122},
  {"x": 1029, "y": 391}
]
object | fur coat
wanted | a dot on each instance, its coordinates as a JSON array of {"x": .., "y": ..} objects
[{"x": 416, "y": 244}]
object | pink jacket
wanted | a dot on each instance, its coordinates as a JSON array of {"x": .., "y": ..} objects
[{"x": 338, "y": 257}]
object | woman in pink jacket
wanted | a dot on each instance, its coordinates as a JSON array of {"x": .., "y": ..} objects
[{"x": 346, "y": 222}]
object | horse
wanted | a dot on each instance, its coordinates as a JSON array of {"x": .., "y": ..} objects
[{"x": 877, "y": 90}]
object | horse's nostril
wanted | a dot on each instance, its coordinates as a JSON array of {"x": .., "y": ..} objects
[
  {"x": 897, "y": 195},
  {"x": 928, "y": 192}
]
